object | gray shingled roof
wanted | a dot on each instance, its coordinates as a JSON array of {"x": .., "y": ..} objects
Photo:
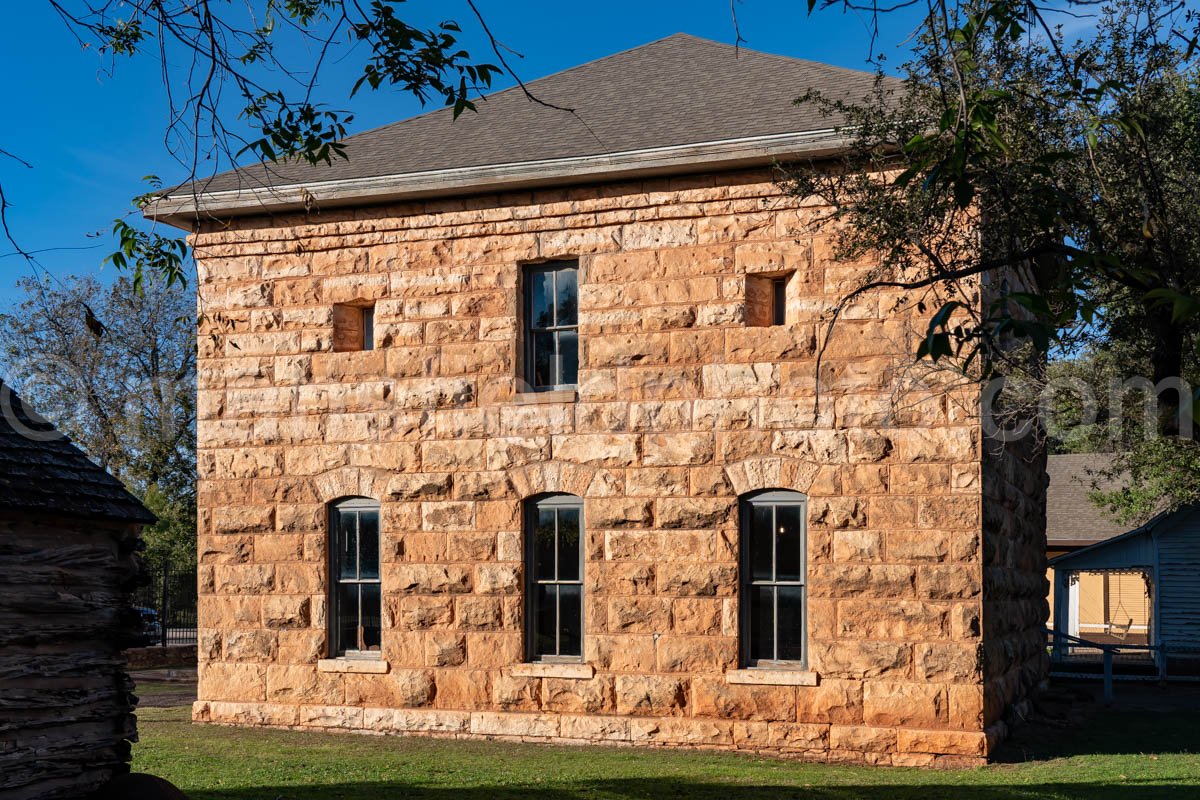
[
  {"x": 1071, "y": 518},
  {"x": 675, "y": 91},
  {"x": 41, "y": 471}
]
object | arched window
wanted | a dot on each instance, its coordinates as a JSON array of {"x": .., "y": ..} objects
[
  {"x": 354, "y": 601},
  {"x": 773, "y": 594},
  {"x": 554, "y": 578}
]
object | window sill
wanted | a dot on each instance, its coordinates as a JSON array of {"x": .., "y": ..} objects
[
  {"x": 772, "y": 676},
  {"x": 539, "y": 398},
  {"x": 375, "y": 666},
  {"x": 577, "y": 672}
]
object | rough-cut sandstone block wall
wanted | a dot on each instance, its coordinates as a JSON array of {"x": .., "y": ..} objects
[
  {"x": 1015, "y": 607},
  {"x": 681, "y": 407}
]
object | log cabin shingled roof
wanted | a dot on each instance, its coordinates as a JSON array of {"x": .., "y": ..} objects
[
  {"x": 675, "y": 91},
  {"x": 41, "y": 471}
]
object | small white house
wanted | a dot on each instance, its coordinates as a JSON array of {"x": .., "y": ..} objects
[{"x": 1165, "y": 554}]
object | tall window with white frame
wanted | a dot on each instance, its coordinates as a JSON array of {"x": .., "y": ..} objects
[
  {"x": 554, "y": 578},
  {"x": 354, "y": 598},
  {"x": 552, "y": 325},
  {"x": 773, "y": 591}
]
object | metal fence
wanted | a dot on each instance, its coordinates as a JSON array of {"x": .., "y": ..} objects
[{"x": 168, "y": 603}]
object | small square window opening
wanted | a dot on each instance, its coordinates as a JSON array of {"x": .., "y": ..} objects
[
  {"x": 767, "y": 300},
  {"x": 368, "y": 326},
  {"x": 353, "y": 328}
]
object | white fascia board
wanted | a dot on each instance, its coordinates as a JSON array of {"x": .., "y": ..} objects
[{"x": 181, "y": 210}]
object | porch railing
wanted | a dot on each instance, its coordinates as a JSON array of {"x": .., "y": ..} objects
[{"x": 1060, "y": 642}]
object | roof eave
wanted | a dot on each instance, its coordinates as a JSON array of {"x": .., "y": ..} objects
[
  {"x": 182, "y": 210},
  {"x": 1146, "y": 527}
]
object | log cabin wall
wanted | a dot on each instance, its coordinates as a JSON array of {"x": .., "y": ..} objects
[
  {"x": 69, "y": 534},
  {"x": 66, "y": 701}
]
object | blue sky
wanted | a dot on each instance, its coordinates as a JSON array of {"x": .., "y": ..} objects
[{"x": 91, "y": 136}]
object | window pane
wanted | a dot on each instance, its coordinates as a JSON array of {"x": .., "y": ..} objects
[
  {"x": 347, "y": 544},
  {"x": 568, "y": 544},
  {"x": 760, "y": 543},
  {"x": 347, "y": 617},
  {"x": 541, "y": 299},
  {"x": 788, "y": 566},
  {"x": 791, "y": 623},
  {"x": 368, "y": 544},
  {"x": 543, "y": 545},
  {"x": 762, "y": 623},
  {"x": 544, "y": 623},
  {"x": 568, "y": 358},
  {"x": 779, "y": 301},
  {"x": 570, "y": 609},
  {"x": 543, "y": 359},
  {"x": 568, "y": 298},
  {"x": 368, "y": 323},
  {"x": 370, "y": 617}
]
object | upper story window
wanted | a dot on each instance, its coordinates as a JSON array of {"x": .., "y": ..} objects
[
  {"x": 552, "y": 325},
  {"x": 766, "y": 300},
  {"x": 773, "y": 590},
  {"x": 554, "y": 570},
  {"x": 353, "y": 328},
  {"x": 354, "y": 601}
]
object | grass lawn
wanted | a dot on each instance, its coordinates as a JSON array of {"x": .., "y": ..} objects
[{"x": 1131, "y": 755}]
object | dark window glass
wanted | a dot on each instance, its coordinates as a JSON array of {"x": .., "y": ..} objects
[
  {"x": 368, "y": 545},
  {"x": 779, "y": 301},
  {"x": 368, "y": 326},
  {"x": 541, "y": 299},
  {"x": 789, "y": 609},
  {"x": 370, "y": 616},
  {"x": 788, "y": 566},
  {"x": 566, "y": 297},
  {"x": 355, "y": 618},
  {"x": 543, "y": 544},
  {"x": 545, "y": 619},
  {"x": 543, "y": 355},
  {"x": 554, "y": 553},
  {"x": 346, "y": 599},
  {"x": 551, "y": 324},
  {"x": 568, "y": 358},
  {"x": 759, "y": 540},
  {"x": 773, "y": 583},
  {"x": 570, "y": 618},
  {"x": 762, "y": 623},
  {"x": 568, "y": 544},
  {"x": 347, "y": 529}
]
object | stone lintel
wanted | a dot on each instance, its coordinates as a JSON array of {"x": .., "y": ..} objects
[
  {"x": 368, "y": 665},
  {"x": 580, "y": 672},
  {"x": 772, "y": 677}
]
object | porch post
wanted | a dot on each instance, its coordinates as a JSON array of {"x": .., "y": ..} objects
[{"x": 1062, "y": 610}]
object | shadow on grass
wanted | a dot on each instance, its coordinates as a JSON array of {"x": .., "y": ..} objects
[
  {"x": 668, "y": 789},
  {"x": 1105, "y": 733}
]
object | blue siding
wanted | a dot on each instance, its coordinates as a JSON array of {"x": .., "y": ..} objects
[{"x": 1179, "y": 581}]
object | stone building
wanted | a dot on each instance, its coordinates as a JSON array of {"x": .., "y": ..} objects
[{"x": 509, "y": 428}]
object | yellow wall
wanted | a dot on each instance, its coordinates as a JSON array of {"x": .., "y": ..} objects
[{"x": 1127, "y": 601}]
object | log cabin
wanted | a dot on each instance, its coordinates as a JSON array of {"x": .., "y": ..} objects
[{"x": 69, "y": 535}]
